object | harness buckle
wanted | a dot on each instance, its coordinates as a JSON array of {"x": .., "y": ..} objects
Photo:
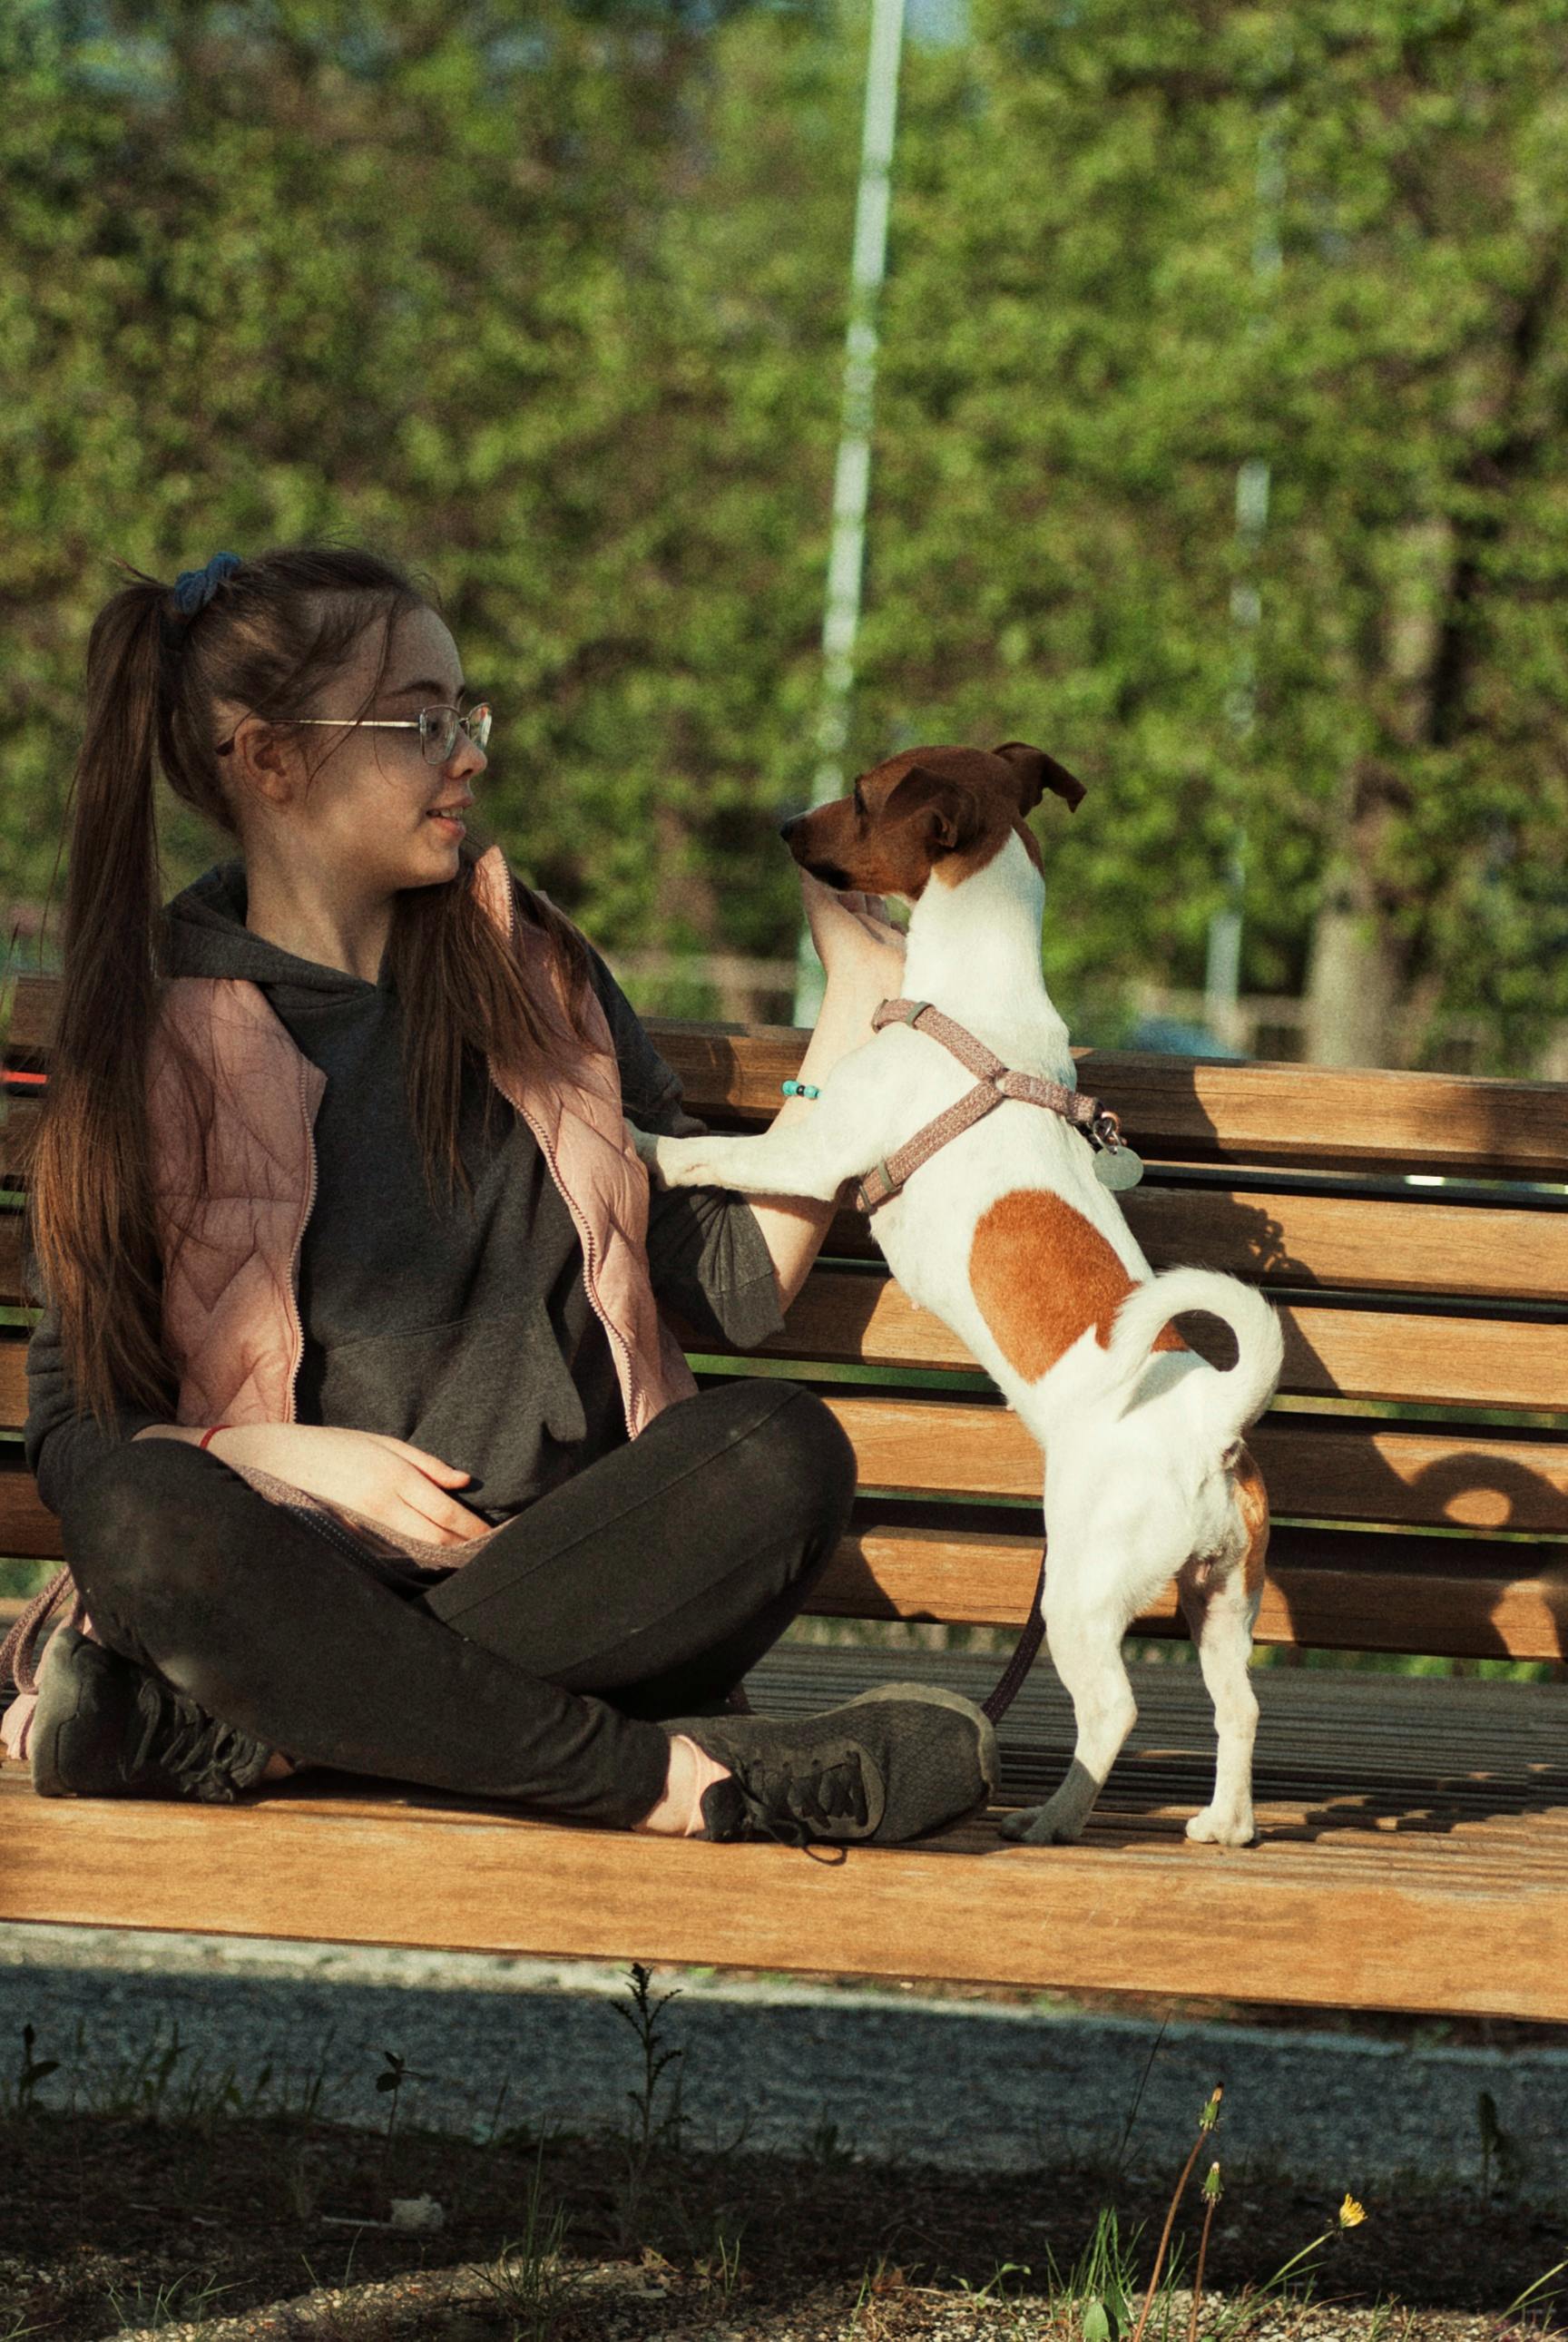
[{"x": 865, "y": 1200}]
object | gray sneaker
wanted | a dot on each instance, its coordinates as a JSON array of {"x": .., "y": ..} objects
[
  {"x": 888, "y": 1765},
  {"x": 104, "y": 1728}
]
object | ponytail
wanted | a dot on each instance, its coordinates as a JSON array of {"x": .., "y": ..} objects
[{"x": 90, "y": 1198}]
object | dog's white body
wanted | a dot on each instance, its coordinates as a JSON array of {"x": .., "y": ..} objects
[{"x": 1142, "y": 1447}]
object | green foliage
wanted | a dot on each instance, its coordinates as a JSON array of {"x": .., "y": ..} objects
[
  {"x": 550, "y": 298},
  {"x": 1088, "y": 336},
  {"x": 497, "y": 288}
]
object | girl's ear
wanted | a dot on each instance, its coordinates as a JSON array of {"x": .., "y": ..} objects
[
  {"x": 949, "y": 812},
  {"x": 1037, "y": 772},
  {"x": 262, "y": 760}
]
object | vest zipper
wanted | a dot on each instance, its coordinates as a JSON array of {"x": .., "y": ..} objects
[
  {"x": 632, "y": 1386},
  {"x": 590, "y": 1256},
  {"x": 291, "y": 1414}
]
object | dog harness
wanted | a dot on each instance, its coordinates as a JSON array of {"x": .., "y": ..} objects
[{"x": 997, "y": 1084}]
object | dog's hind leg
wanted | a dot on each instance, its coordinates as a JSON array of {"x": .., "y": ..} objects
[
  {"x": 1084, "y": 1632},
  {"x": 1220, "y": 1610}
]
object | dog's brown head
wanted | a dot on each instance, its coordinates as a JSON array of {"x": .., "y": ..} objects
[{"x": 929, "y": 812}]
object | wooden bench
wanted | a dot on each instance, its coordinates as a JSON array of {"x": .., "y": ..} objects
[{"x": 1414, "y": 1849}]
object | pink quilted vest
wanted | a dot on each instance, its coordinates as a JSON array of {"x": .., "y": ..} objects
[{"x": 230, "y": 1231}]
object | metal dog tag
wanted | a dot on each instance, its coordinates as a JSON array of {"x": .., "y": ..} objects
[{"x": 1118, "y": 1168}]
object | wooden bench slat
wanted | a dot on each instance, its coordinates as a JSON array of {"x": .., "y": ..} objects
[
  {"x": 1316, "y": 1466},
  {"x": 849, "y": 1316},
  {"x": 18, "y": 1125},
  {"x": 27, "y": 1533},
  {"x": 1326, "y": 1589},
  {"x": 846, "y": 1315},
  {"x": 1188, "y": 1109},
  {"x": 1272, "y": 1237},
  {"x": 1022, "y": 1915},
  {"x": 1341, "y": 1244},
  {"x": 1192, "y": 1110},
  {"x": 1352, "y": 1244},
  {"x": 1439, "y": 1883}
]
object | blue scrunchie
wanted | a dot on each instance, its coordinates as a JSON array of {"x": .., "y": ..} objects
[{"x": 194, "y": 588}]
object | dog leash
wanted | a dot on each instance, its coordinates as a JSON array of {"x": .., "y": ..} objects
[
  {"x": 1023, "y": 1657},
  {"x": 1116, "y": 1164}
]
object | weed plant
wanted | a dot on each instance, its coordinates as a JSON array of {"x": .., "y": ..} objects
[{"x": 657, "y": 2118}]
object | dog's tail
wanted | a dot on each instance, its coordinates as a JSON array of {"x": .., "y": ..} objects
[{"x": 1238, "y": 1395}]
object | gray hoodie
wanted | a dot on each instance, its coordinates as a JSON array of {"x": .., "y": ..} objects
[{"x": 467, "y": 1330}]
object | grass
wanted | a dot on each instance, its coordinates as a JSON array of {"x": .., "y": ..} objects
[
  {"x": 166, "y": 2199},
  {"x": 148, "y": 2305},
  {"x": 527, "y": 2279}
]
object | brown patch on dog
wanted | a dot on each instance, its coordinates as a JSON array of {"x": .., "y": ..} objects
[
  {"x": 1041, "y": 1276},
  {"x": 1252, "y": 1503}
]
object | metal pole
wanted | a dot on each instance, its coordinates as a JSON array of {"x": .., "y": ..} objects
[
  {"x": 1221, "y": 980},
  {"x": 852, "y": 477}
]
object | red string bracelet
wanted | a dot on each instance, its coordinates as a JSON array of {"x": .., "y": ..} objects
[{"x": 214, "y": 1432}]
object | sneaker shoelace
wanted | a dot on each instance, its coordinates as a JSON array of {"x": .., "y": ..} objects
[
  {"x": 182, "y": 1740},
  {"x": 795, "y": 1807}
]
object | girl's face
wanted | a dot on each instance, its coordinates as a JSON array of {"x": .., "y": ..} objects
[{"x": 374, "y": 805}]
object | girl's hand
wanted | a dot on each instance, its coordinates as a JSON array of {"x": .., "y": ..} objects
[
  {"x": 399, "y": 1487},
  {"x": 855, "y": 940}
]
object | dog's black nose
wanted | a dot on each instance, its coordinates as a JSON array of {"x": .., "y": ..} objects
[{"x": 792, "y": 822}]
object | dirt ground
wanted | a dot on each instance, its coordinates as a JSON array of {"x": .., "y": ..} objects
[{"x": 279, "y": 2229}]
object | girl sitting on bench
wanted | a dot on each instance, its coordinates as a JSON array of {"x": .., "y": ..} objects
[{"x": 370, "y": 1448}]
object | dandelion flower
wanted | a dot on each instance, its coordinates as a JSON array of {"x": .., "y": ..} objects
[{"x": 1351, "y": 2213}]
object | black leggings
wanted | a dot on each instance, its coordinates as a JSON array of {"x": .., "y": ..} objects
[{"x": 645, "y": 1586}]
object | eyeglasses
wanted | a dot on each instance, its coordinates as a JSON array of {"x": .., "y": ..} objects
[{"x": 438, "y": 729}]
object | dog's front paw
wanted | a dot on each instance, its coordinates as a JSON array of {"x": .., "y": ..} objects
[
  {"x": 1215, "y": 1827},
  {"x": 676, "y": 1162},
  {"x": 1041, "y": 1826}
]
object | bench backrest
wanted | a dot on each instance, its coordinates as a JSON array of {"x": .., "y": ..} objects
[{"x": 1412, "y": 1227}]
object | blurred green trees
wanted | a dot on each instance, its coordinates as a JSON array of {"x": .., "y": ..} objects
[
  {"x": 1084, "y": 354},
  {"x": 548, "y": 298}
]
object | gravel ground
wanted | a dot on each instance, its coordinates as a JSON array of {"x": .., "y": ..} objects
[{"x": 970, "y": 2085}]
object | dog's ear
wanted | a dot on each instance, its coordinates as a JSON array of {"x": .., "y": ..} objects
[
  {"x": 953, "y": 816},
  {"x": 1037, "y": 772}
]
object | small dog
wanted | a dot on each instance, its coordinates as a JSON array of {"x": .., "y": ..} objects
[{"x": 1008, "y": 1235}]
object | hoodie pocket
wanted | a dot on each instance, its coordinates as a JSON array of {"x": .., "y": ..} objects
[{"x": 450, "y": 1384}]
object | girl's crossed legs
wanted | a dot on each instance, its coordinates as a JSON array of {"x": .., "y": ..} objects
[{"x": 645, "y": 1586}]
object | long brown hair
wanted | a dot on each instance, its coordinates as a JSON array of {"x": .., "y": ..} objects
[{"x": 275, "y": 631}]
